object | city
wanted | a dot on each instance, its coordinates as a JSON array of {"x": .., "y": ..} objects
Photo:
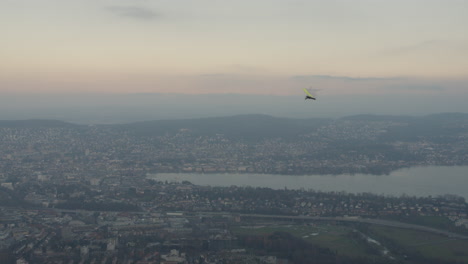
[
  {"x": 81, "y": 194},
  {"x": 142, "y": 220}
]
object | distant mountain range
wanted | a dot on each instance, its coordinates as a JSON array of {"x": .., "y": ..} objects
[
  {"x": 253, "y": 120},
  {"x": 125, "y": 108},
  {"x": 233, "y": 126},
  {"x": 257, "y": 126},
  {"x": 35, "y": 123},
  {"x": 432, "y": 117}
]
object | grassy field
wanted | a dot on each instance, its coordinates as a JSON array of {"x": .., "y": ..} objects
[
  {"x": 337, "y": 238},
  {"x": 428, "y": 244},
  {"x": 325, "y": 235}
]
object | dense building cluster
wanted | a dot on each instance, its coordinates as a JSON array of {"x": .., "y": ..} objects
[
  {"x": 334, "y": 147},
  {"x": 142, "y": 220}
]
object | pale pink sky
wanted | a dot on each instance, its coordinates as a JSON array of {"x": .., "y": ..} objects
[{"x": 243, "y": 46}]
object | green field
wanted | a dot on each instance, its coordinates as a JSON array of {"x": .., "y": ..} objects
[
  {"x": 427, "y": 244},
  {"x": 338, "y": 238},
  {"x": 325, "y": 235}
]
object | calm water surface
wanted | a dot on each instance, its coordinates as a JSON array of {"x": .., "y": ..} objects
[{"x": 419, "y": 181}]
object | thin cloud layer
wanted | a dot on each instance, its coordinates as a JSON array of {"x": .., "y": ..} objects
[
  {"x": 136, "y": 12},
  {"x": 415, "y": 87},
  {"x": 340, "y": 78},
  {"x": 417, "y": 47}
]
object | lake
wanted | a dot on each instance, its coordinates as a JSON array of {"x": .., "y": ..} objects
[{"x": 418, "y": 181}]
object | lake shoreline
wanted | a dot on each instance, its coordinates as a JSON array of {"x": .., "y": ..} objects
[{"x": 418, "y": 181}]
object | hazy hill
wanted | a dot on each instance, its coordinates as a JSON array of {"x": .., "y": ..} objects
[
  {"x": 440, "y": 117},
  {"x": 373, "y": 118},
  {"x": 126, "y": 108},
  {"x": 36, "y": 123},
  {"x": 254, "y": 127},
  {"x": 244, "y": 126},
  {"x": 433, "y": 127}
]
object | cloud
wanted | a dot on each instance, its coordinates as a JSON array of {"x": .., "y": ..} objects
[
  {"x": 136, "y": 12},
  {"x": 340, "y": 78},
  {"x": 424, "y": 45},
  {"x": 369, "y": 85},
  {"x": 414, "y": 87}
]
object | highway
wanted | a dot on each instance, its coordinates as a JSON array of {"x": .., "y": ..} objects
[{"x": 381, "y": 222}]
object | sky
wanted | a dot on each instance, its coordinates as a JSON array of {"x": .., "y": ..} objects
[{"x": 271, "y": 47}]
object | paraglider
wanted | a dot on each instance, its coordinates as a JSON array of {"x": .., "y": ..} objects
[{"x": 308, "y": 95}]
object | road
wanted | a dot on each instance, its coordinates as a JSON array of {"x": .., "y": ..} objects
[{"x": 308, "y": 218}]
